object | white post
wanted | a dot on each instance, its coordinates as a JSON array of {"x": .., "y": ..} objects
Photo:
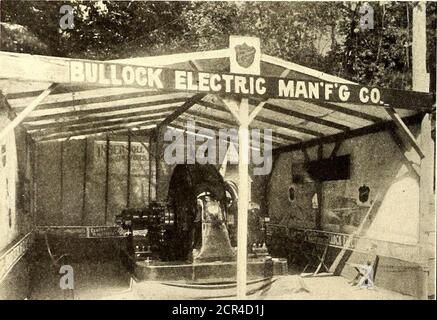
[
  {"x": 426, "y": 194},
  {"x": 420, "y": 76},
  {"x": 241, "y": 62},
  {"x": 243, "y": 197}
]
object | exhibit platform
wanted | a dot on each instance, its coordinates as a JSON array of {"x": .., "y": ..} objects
[{"x": 209, "y": 272}]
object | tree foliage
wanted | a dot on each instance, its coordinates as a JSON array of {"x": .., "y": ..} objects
[{"x": 321, "y": 35}]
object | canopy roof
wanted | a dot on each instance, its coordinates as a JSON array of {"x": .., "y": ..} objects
[{"x": 72, "y": 111}]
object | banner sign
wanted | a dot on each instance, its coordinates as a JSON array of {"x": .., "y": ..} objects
[
  {"x": 99, "y": 232},
  {"x": 118, "y": 154},
  {"x": 337, "y": 240},
  {"x": 105, "y": 232},
  {"x": 115, "y": 74}
]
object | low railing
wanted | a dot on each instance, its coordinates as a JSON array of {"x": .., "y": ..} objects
[
  {"x": 392, "y": 249},
  {"x": 90, "y": 232},
  {"x": 13, "y": 254}
]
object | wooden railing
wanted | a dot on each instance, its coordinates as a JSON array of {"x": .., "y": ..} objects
[
  {"x": 13, "y": 254},
  {"x": 91, "y": 232},
  {"x": 392, "y": 249}
]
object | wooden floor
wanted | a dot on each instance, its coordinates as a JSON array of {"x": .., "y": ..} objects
[
  {"x": 91, "y": 281},
  {"x": 109, "y": 280}
]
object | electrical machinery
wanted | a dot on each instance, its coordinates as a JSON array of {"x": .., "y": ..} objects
[{"x": 197, "y": 223}]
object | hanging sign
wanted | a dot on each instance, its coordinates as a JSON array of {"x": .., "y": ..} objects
[
  {"x": 118, "y": 155},
  {"x": 114, "y": 74},
  {"x": 244, "y": 59}
]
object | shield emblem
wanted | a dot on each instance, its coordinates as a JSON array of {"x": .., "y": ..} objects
[
  {"x": 245, "y": 55},
  {"x": 363, "y": 193}
]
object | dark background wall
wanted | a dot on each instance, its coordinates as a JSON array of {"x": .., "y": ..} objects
[{"x": 76, "y": 185}]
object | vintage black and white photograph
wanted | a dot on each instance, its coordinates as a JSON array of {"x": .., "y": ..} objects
[{"x": 207, "y": 150}]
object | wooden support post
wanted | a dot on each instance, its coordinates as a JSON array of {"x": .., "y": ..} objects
[
  {"x": 85, "y": 168},
  {"x": 158, "y": 151},
  {"x": 426, "y": 193},
  {"x": 267, "y": 183},
  {"x": 34, "y": 205},
  {"x": 157, "y": 160},
  {"x": 153, "y": 164},
  {"x": 23, "y": 114},
  {"x": 147, "y": 170},
  {"x": 150, "y": 168},
  {"x": 62, "y": 184},
  {"x": 427, "y": 231},
  {"x": 242, "y": 116},
  {"x": 243, "y": 197},
  {"x": 418, "y": 54},
  {"x": 27, "y": 176},
  {"x": 107, "y": 178},
  {"x": 139, "y": 138},
  {"x": 129, "y": 142},
  {"x": 319, "y": 191}
]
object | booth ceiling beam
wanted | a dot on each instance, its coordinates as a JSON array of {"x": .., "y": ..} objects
[
  {"x": 377, "y": 127},
  {"x": 347, "y": 111},
  {"x": 231, "y": 124},
  {"x": 98, "y": 109},
  {"x": 175, "y": 58},
  {"x": 140, "y": 130},
  {"x": 187, "y": 105},
  {"x": 61, "y": 122},
  {"x": 181, "y": 126},
  {"x": 11, "y": 125},
  {"x": 92, "y": 131},
  {"x": 96, "y": 125},
  {"x": 339, "y": 109},
  {"x": 197, "y": 114},
  {"x": 269, "y": 121},
  {"x": 78, "y": 98},
  {"x": 302, "y": 69},
  {"x": 274, "y": 140},
  {"x": 183, "y": 130},
  {"x": 277, "y": 137},
  {"x": 307, "y": 117}
]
